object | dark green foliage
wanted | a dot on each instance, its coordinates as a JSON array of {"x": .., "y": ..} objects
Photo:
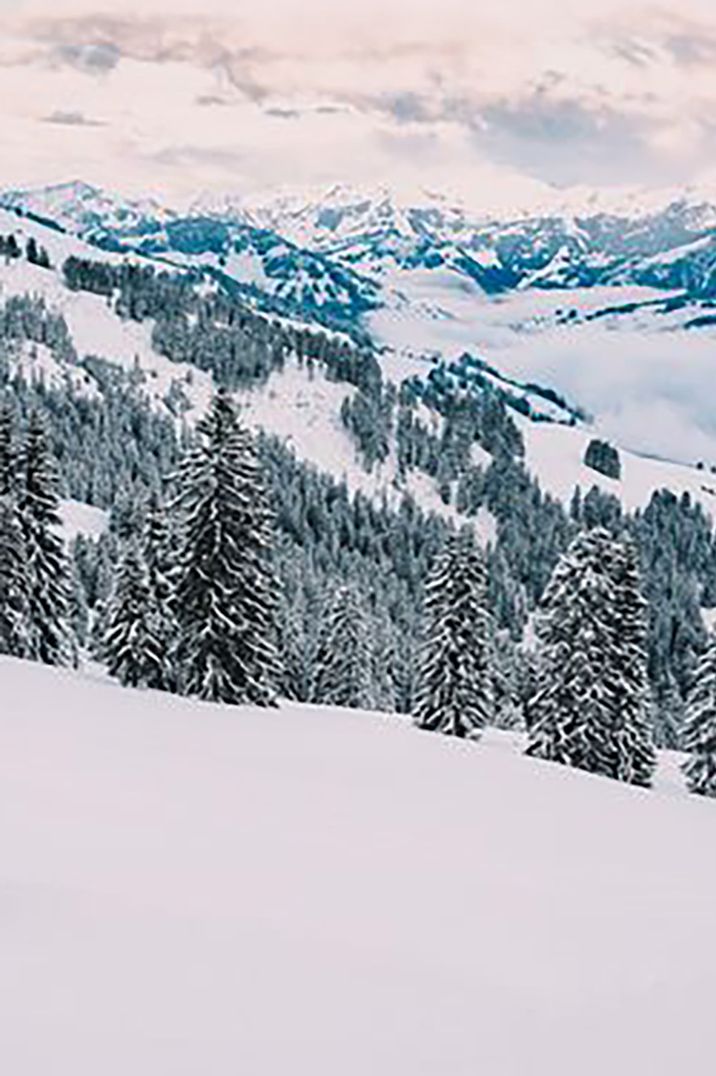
[
  {"x": 699, "y": 734},
  {"x": 134, "y": 646},
  {"x": 454, "y": 693},
  {"x": 603, "y": 457},
  {"x": 47, "y": 566},
  {"x": 343, "y": 660},
  {"x": 226, "y": 588},
  {"x": 369, "y": 417},
  {"x": 9, "y": 247},
  {"x": 590, "y": 710},
  {"x": 36, "y": 254},
  {"x": 14, "y": 588}
]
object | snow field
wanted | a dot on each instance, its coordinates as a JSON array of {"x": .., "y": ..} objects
[{"x": 191, "y": 890}]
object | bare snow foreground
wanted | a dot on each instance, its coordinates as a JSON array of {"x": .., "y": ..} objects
[{"x": 196, "y": 891}]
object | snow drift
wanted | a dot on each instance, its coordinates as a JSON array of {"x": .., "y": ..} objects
[{"x": 188, "y": 890}]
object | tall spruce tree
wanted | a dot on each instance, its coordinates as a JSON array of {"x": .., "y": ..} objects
[
  {"x": 343, "y": 662},
  {"x": 227, "y": 591},
  {"x": 50, "y": 639},
  {"x": 157, "y": 542},
  {"x": 590, "y": 709},
  {"x": 454, "y": 693},
  {"x": 699, "y": 731},
  {"x": 133, "y": 646},
  {"x": 9, "y": 459},
  {"x": 571, "y": 712},
  {"x": 14, "y": 591},
  {"x": 634, "y": 758}
]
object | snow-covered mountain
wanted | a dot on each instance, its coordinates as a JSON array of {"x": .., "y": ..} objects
[
  {"x": 580, "y": 242},
  {"x": 431, "y": 283},
  {"x": 87, "y": 211},
  {"x": 254, "y": 259},
  {"x": 574, "y": 242}
]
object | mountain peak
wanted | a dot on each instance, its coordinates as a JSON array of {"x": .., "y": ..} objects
[{"x": 77, "y": 206}]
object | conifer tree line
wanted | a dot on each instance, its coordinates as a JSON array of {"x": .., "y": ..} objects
[{"x": 194, "y": 605}]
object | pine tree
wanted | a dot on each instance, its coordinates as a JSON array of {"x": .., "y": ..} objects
[
  {"x": 506, "y": 665},
  {"x": 454, "y": 693},
  {"x": 156, "y": 547},
  {"x": 9, "y": 463},
  {"x": 48, "y": 609},
  {"x": 590, "y": 710},
  {"x": 343, "y": 661},
  {"x": 14, "y": 596},
  {"x": 634, "y": 753},
  {"x": 699, "y": 732},
  {"x": 571, "y": 713},
  {"x": 133, "y": 646},
  {"x": 292, "y": 645},
  {"x": 226, "y": 593}
]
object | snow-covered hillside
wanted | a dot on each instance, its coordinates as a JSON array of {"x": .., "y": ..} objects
[
  {"x": 188, "y": 889},
  {"x": 620, "y": 354}
]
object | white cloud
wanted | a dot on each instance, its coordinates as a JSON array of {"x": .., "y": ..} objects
[{"x": 229, "y": 92}]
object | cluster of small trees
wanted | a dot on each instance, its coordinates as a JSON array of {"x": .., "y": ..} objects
[
  {"x": 34, "y": 253},
  {"x": 590, "y": 707},
  {"x": 604, "y": 458}
]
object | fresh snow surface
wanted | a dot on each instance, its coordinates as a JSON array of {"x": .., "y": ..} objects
[
  {"x": 556, "y": 455},
  {"x": 189, "y": 891},
  {"x": 78, "y": 518},
  {"x": 303, "y": 408}
]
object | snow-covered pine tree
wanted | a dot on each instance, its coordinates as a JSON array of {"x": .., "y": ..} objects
[
  {"x": 157, "y": 542},
  {"x": 667, "y": 710},
  {"x": 699, "y": 731},
  {"x": 293, "y": 645},
  {"x": 133, "y": 647},
  {"x": 507, "y": 667},
  {"x": 634, "y": 753},
  {"x": 8, "y": 451},
  {"x": 14, "y": 595},
  {"x": 48, "y": 572},
  {"x": 454, "y": 692},
  {"x": 227, "y": 591},
  {"x": 591, "y": 706},
  {"x": 343, "y": 662},
  {"x": 571, "y": 714}
]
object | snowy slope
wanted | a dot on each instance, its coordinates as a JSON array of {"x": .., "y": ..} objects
[
  {"x": 304, "y": 409},
  {"x": 556, "y": 455},
  {"x": 78, "y": 518},
  {"x": 94, "y": 327},
  {"x": 190, "y": 890},
  {"x": 603, "y": 348}
]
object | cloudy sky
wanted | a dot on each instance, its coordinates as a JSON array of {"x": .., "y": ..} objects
[{"x": 175, "y": 97}]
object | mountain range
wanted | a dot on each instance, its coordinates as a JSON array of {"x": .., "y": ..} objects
[
  {"x": 356, "y": 239},
  {"x": 606, "y": 304}
]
